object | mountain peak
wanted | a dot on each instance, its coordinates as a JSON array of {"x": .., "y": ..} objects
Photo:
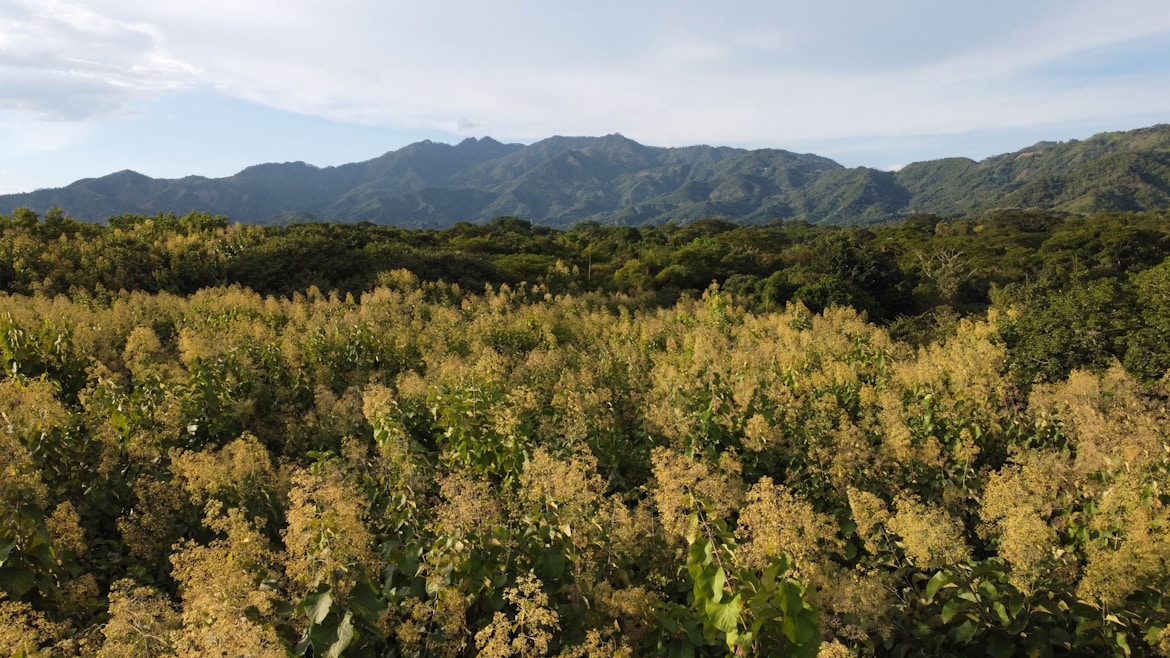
[
  {"x": 472, "y": 141},
  {"x": 563, "y": 180},
  {"x": 127, "y": 174}
]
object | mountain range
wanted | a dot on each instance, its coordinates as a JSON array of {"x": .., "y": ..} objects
[{"x": 614, "y": 180}]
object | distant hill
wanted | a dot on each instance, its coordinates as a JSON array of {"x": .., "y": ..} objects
[
  {"x": 614, "y": 180},
  {"x": 1110, "y": 171}
]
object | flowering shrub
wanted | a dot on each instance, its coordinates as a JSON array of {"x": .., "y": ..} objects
[{"x": 423, "y": 472}]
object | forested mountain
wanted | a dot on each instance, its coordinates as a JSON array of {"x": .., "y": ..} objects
[
  {"x": 1109, "y": 172},
  {"x": 564, "y": 180}
]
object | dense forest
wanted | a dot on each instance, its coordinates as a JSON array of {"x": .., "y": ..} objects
[
  {"x": 562, "y": 181},
  {"x": 936, "y": 437}
]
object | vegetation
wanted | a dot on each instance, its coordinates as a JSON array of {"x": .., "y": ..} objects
[
  {"x": 506, "y": 440},
  {"x": 1071, "y": 291},
  {"x": 562, "y": 181}
]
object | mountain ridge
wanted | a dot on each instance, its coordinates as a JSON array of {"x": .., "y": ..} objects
[{"x": 563, "y": 180}]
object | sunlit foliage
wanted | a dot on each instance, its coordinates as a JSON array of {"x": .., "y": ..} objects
[{"x": 544, "y": 469}]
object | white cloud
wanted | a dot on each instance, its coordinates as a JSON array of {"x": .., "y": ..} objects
[
  {"x": 62, "y": 60},
  {"x": 751, "y": 73},
  {"x": 520, "y": 66}
]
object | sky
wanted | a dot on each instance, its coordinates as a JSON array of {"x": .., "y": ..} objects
[{"x": 170, "y": 88}]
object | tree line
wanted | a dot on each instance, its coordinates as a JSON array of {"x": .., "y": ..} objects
[{"x": 1072, "y": 291}]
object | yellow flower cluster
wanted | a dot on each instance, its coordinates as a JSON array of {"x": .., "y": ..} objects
[{"x": 251, "y": 451}]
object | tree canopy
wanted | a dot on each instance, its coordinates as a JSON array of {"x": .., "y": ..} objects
[{"x": 940, "y": 437}]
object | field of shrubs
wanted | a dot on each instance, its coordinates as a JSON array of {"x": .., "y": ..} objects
[{"x": 419, "y": 471}]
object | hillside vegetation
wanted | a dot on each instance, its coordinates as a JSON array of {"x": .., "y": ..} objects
[
  {"x": 937, "y": 437},
  {"x": 917, "y": 277},
  {"x": 561, "y": 181}
]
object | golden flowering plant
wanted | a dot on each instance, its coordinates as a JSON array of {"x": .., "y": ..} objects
[{"x": 419, "y": 471}]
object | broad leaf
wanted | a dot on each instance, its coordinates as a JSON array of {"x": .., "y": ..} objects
[
  {"x": 317, "y": 604},
  {"x": 966, "y": 631},
  {"x": 15, "y": 582},
  {"x": 6, "y": 548},
  {"x": 724, "y": 616},
  {"x": 951, "y": 608},
  {"x": 345, "y": 636},
  {"x": 937, "y": 581}
]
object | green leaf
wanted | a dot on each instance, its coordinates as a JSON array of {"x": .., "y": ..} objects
[
  {"x": 983, "y": 570},
  {"x": 717, "y": 581},
  {"x": 668, "y": 623},
  {"x": 1000, "y": 613},
  {"x": 938, "y": 580},
  {"x": 799, "y": 624},
  {"x": 554, "y": 561},
  {"x": 807, "y": 632},
  {"x": 701, "y": 551},
  {"x": 788, "y": 597},
  {"x": 1015, "y": 604},
  {"x": 364, "y": 601},
  {"x": 704, "y": 580},
  {"x": 693, "y": 633},
  {"x": 1121, "y": 642},
  {"x": 1086, "y": 625},
  {"x": 15, "y": 582},
  {"x": 988, "y": 589},
  {"x": 921, "y": 629},
  {"x": 1060, "y": 637},
  {"x": 966, "y": 631},
  {"x": 768, "y": 578},
  {"x": 951, "y": 608},
  {"x": 6, "y": 548},
  {"x": 317, "y": 604},
  {"x": 724, "y": 616},
  {"x": 345, "y": 636}
]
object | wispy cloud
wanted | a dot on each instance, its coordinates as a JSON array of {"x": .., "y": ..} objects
[
  {"x": 832, "y": 67},
  {"x": 751, "y": 73},
  {"x": 62, "y": 60}
]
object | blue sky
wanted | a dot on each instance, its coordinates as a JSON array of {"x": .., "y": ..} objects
[{"x": 171, "y": 89}]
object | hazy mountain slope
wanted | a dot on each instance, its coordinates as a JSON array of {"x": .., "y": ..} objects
[
  {"x": 563, "y": 180},
  {"x": 1079, "y": 176}
]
